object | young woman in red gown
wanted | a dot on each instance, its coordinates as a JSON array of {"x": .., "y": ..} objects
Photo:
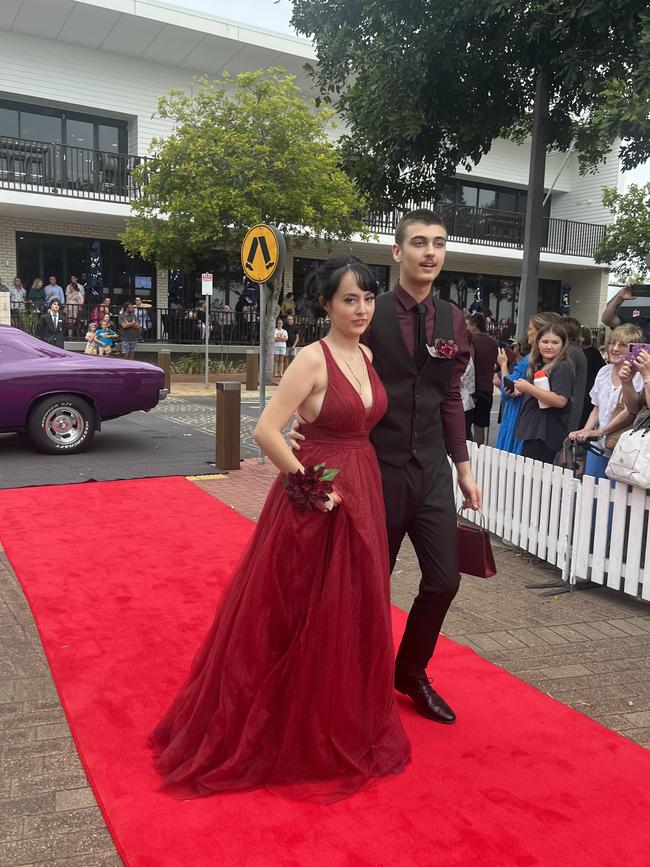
[{"x": 292, "y": 688}]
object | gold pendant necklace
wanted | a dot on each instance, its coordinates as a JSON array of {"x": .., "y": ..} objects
[
  {"x": 354, "y": 375},
  {"x": 347, "y": 364},
  {"x": 358, "y": 381}
]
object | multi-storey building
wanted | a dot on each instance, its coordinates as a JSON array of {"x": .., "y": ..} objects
[{"x": 79, "y": 91}]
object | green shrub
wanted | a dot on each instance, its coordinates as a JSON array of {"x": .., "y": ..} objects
[{"x": 194, "y": 364}]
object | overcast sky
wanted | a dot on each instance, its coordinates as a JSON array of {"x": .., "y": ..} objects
[
  {"x": 263, "y": 13},
  {"x": 276, "y": 16}
]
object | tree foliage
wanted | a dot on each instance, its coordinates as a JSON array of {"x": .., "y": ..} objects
[
  {"x": 242, "y": 151},
  {"x": 627, "y": 240},
  {"x": 426, "y": 85}
]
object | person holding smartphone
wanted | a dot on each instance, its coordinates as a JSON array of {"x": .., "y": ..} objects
[
  {"x": 544, "y": 420},
  {"x": 630, "y": 370},
  {"x": 511, "y": 403},
  {"x": 609, "y": 414}
]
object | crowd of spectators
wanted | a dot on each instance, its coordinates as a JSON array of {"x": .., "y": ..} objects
[
  {"x": 558, "y": 391},
  {"x": 81, "y": 309},
  {"x": 556, "y": 387}
]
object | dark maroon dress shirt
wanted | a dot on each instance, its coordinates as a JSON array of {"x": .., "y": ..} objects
[
  {"x": 451, "y": 409},
  {"x": 485, "y": 358}
]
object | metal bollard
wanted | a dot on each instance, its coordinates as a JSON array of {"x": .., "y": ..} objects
[
  {"x": 252, "y": 369},
  {"x": 165, "y": 363},
  {"x": 228, "y": 425}
]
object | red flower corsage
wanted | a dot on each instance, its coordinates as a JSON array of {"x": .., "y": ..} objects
[
  {"x": 443, "y": 348},
  {"x": 313, "y": 486}
]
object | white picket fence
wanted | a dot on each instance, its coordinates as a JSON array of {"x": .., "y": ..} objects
[{"x": 591, "y": 529}]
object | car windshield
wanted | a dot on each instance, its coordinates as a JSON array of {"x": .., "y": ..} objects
[{"x": 22, "y": 345}]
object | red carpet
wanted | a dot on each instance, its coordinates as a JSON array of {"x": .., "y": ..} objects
[{"x": 121, "y": 603}]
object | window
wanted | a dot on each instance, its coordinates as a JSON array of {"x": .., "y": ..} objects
[
  {"x": 8, "y": 123},
  {"x": 487, "y": 198},
  {"x": 499, "y": 294},
  {"x": 449, "y": 193},
  {"x": 108, "y": 138},
  {"x": 40, "y": 127},
  {"x": 381, "y": 273},
  {"x": 490, "y": 196},
  {"x": 228, "y": 280},
  {"x": 467, "y": 195},
  {"x": 507, "y": 200},
  {"x": 56, "y": 126},
  {"x": 44, "y": 255},
  {"x": 302, "y": 268}
]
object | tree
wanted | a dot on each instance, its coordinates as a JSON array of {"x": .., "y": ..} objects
[
  {"x": 427, "y": 85},
  {"x": 242, "y": 151},
  {"x": 626, "y": 243}
]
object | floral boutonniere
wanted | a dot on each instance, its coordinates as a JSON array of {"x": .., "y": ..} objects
[{"x": 443, "y": 348}]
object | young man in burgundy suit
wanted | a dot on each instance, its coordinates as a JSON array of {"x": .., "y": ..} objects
[{"x": 420, "y": 351}]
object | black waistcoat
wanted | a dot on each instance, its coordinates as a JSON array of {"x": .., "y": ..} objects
[{"x": 411, "y": 427}]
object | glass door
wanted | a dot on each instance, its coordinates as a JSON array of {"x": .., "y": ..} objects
[
  {"x": 79, "y": 154},
  {"x": 43, "y": 164},
  {"x": 112, "y": 165}
]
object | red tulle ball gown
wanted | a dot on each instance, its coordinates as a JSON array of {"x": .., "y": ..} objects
[{"x": 292, "y": 688}]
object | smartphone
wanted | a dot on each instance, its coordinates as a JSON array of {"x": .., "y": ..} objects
[
  {"x": 508, "y": 384},
  {"x": 635, "y": 348},
  {"x": 641, "y": 290}
]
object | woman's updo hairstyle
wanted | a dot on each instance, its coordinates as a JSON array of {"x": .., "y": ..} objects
[{"x": 321, "y": 285}]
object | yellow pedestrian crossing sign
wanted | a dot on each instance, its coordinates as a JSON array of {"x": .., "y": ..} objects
[{"x": 262, "y": 252}]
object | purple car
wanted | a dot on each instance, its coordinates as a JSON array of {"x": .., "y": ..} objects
[{"x": 61, "y": 398}]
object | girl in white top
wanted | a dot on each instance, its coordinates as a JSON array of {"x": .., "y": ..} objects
[
  {"x": 279, "y": 347},
  {"x": 607, "y": 398},
  {"x": 91, "y": 340}
]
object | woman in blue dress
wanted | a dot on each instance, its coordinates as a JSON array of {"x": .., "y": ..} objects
[{"x": 511, "y": 405}]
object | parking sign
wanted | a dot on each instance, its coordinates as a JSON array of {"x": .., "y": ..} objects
[{"x": 206, "y": 283}]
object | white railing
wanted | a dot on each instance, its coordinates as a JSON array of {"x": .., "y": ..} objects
[{"x": 593, "y": 530}]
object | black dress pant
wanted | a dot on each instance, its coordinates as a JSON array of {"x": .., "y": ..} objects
[{"x": 420, "y": 502}]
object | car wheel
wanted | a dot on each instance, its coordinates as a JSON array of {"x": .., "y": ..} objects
[{"x": 62, "y": 423}]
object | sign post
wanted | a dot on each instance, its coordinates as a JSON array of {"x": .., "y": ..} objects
[
  {"x": 263, "y": 251},
  {"x": 206, "y": 290},
  {"x": 262, "y": 325}
]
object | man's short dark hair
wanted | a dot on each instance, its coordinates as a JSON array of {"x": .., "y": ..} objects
[
  {"x": 421, "y": 215},
  {"x": 478, "y": 320}
]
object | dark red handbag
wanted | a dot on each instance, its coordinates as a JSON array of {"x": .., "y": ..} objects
[{"x": 475, "y": 555}]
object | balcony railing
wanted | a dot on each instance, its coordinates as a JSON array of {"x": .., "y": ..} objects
[
  {"x": 472, "y": 225},
  {"x": 86, "y": 173},
  {"x": 41, "y": 167}
]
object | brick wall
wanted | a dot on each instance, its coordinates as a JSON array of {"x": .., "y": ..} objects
[{"x": 588, "y": 294}]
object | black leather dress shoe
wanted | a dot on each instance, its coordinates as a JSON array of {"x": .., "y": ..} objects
[{"x": 426, "y": 699}]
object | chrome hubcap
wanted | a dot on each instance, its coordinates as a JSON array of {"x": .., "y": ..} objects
[{"x": 64, "y": 425}]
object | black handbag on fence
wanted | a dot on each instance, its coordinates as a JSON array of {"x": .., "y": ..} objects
[{"x": 475, "y": 555}]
